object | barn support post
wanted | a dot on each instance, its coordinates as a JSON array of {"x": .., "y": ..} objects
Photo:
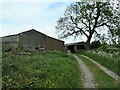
[
  {"x": 75, "y": 47},
  {"x": 66, "y": 48}
]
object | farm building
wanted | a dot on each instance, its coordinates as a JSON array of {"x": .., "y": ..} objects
[
  {"x": 32, "y": 40},
  {"x": 73, "y": 47}
]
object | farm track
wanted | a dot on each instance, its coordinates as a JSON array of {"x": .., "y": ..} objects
[
  {"x": 107, "y": 71},
  {"x": 88, "y": 80}
]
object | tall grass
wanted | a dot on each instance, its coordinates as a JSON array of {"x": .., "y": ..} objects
[
  {"x": 40, "y": 70},
  {"x": 102, "y": 80},
  {"x": 110, "y": 61}
]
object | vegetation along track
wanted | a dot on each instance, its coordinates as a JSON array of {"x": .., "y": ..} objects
[
  {"x": 107, "y": 71},
  {"x": 102, "y": 79}
]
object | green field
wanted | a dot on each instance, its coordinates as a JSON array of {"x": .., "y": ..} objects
[
  {"x": 40, "y": 70},
  {"x": 54, "y": 70}
]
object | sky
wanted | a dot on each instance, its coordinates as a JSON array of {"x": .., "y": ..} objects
[{"x": 21, "y": 15}]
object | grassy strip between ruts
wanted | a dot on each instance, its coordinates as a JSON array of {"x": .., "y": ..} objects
[
  {"x": 40, "y": 70},
  {"x": 101, "y": 78}
]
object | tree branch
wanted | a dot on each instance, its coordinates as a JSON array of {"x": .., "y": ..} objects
[
  {"x": 84, "y": 23},
  {"x": 96, "y": 19},
  {"x": 82, "y": 31},
  {"x": 101, "y": 24},
  {"x": 89, "y": 23},
  {"x": 78, "y": 27}
]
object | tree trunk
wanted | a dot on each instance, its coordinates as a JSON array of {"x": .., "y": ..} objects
[
  {"x": 88, "y": 42},
  {"x": 87, "y": 45}
]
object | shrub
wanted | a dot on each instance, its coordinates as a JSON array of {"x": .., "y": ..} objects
[
  {"x": 102, "y": 48},
  {"x": 109, "y": 60},
  {"x": 95, "y": 44}
]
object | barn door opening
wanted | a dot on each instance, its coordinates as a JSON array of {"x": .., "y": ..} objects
[{"x": 71, "y": 48}]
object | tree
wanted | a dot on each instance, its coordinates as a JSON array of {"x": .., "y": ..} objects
[
  {"x": 85, "y": 18},
  {"x": 114, "y": 28}
]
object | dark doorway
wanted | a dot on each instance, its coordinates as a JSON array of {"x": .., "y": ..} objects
[
  {"x": 36, "y": 48},
  {"x": 71, "y": 48},
  {"x": 81, "y": 47}
]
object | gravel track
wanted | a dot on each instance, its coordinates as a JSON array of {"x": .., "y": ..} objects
[{"x": 88, "y": 78}]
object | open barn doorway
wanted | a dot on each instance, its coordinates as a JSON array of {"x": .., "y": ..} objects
[
  {"x": 71, "y": 48},
  {"x": 74, "y": 47}
]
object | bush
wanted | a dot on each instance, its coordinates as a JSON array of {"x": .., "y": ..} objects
[
  {"x": 108, "y": 60},
  {"x": 95, "y": 45},
  {"x": 118, "y": 45},
  {"x": 102, "y": 48}
]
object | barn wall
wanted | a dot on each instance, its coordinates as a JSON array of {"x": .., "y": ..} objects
[
  {"x": 54, "y": 44},
  {"x": 10, "y": 41},
  {"x": 58, "y": 45},
  {"x": 32, "y": 40},
  {"x": 48, "y": 44}
]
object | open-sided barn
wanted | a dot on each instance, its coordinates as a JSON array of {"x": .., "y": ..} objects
[
  {"x": 32, "y": 40},
  {"x": 74, "y": 47}
]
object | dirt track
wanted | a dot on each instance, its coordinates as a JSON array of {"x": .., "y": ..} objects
[{"x": 88, "y": 78}]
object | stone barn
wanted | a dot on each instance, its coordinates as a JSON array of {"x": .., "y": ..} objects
[
  {"x": 32, "y": 40},
  {"x": 74, "y": 47}
]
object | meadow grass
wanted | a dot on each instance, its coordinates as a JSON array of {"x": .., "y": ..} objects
[
  {"x": 108, "y": 60},
  {"x": 102, "y": 79},
  {"x": 40, "y": 70}
]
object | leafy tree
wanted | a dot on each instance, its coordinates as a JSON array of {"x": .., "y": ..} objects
[
  {"x": 114, "y": 28},
  {"x": 86, "y": 18},
  {"x": 103, "y": 39}
]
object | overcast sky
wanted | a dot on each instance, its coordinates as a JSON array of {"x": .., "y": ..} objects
[{"x": 22, "y": 15}]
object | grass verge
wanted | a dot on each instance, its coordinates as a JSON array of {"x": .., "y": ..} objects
[
  {"x": 108, "y": 60},
  {"x": 101, "y": 78},
  {"x": 40, "y": 70}
]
